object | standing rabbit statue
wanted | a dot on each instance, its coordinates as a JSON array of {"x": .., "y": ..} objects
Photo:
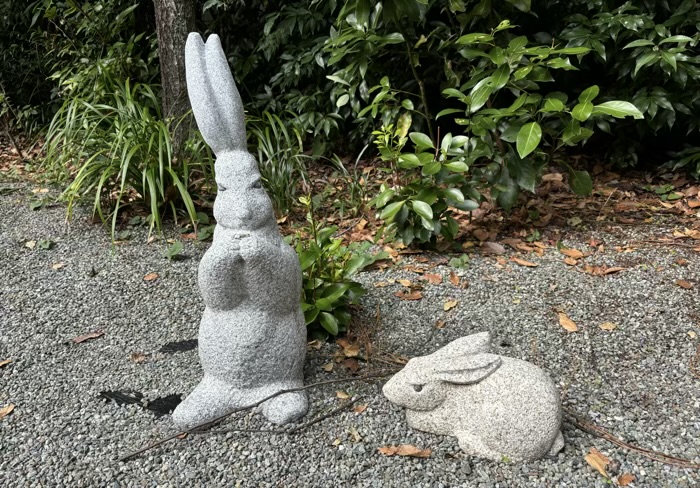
[
  {"x": 497, "y": 407},
  {"x": 252, "y": 337}
]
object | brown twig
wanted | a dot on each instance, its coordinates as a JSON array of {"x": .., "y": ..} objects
[
  {"x": 694, "y": 361},
  {"x": 293, "y": 430},
  {"x": 604, "y": 434},
  {"x": 208, "y": 423}
]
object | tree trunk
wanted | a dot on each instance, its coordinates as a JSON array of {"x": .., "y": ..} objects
[{"x": 175, "y": 19}]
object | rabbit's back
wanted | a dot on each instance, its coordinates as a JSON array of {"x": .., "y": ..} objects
[{"x": 515, "y": 410}]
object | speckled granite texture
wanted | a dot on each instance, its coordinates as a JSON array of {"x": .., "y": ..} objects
[
  {"x": 252, "y": 337},
  {"x": 497, "y": 407}
]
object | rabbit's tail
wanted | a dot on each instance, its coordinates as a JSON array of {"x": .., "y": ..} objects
[{"x": 215, "y": 100}]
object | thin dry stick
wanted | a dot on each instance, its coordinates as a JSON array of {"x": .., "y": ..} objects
[
  {"x": 694, "y": 361},
  {"x": 604, "y": 434},
  {"x": 204, "y": 425},
  {"x": 289, "y": 431}
]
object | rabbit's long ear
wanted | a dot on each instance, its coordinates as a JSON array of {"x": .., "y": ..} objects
[
  {"x": 464, "y": 370},
  {"x": 215, "y": 100},
  {"x": 471, "y": 344}
]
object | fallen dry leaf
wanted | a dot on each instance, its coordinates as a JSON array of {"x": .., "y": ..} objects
[
  {"x": 405, "y": 450},
  {"x": 433, "y": 279},
  {"x": 449, "y": 305},
  {"x": 6, "y": 410},
  {"x": 30, "y": 244},
  {"x": 356, "y": 437},
  {"x": 5, "y": 362},
  {"x": 191, "y": 236},
  {"x": 150, "y": 277},
  {"x": 552, "y": 177},
  {"x": 381, "y": 284},
  {"x": 454, "y": 279},
  {"x": 342, "y": 395},
  {"x": 568, "y": 324},
  {"x": 625, "y": 479},
  {"x": 86, "y": 337},
  {"x": 609, "y": 326},
  {"x": 682, "y": 262},
  {"x": 359, "y": 408},
  {"x": 601, "y": 270},
  {"x": 351, "y": 364},
  {"x": 349, "y": 350},
  {"x": 522, "y": 262},
  {"x": 406, "y": 283},
  {"x": 570, "y": 261},
  {"x": 492, "y": 248},
  {"x": 328, "y": 367},
  {"x": 439, "y": 324},
  {"x": 55, "y": 266},
  {"x": 572, "y": 253},
  {"x": 481, "y": 234},
  {"x": 316, "y": 344},
  {"x": 137, "y": 357},
  {"x": 598, "y": 460},
  {"x": 684, "y": 284},
  {"x": 694, "y": 203},
  {"x": 414, "y": 295},
  {"x": 691, "y": 334},
  {"x": 182, "y": 436}
]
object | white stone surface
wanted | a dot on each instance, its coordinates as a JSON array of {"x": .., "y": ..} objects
[
  {"x": 252, "y": 337},
  {"x": 498, "y": 407}
]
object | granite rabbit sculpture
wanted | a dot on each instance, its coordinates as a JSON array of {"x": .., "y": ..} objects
[
  {"x": 252, "y": 337},
  {"x": 497, "y": 407}
]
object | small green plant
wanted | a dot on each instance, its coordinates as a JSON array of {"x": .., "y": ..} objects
[
  {"x": 327, "y": 269},
  {"x": 45, "y": 244},
  {"x": 173, "y": 252},
  {"x": 665, "y": 192},
  {"x": 425, "y": 185}
]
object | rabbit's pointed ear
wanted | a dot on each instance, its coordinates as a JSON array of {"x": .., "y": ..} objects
[
  {"x": 471, "y": 344},
  {"x": 464, "y": 370},
  {"x": 216, "y": 104}
]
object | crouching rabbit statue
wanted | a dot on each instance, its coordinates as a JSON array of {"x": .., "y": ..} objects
[
  {"x": 497, "y": 407},
  {"x": 252, "y": 338}
]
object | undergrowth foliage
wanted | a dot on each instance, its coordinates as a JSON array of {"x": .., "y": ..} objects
[{"x": 119, "y": 152}]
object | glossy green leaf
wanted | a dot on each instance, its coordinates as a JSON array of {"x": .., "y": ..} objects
[
  {"x": 580, "y": 182},
  {"x": 329, "y": 323},
  {"x": 552, "y": 105},
  {"x": 500, "y": 77},
  {"x": 582, "y": 111},
  {"x": 342, "y": 100},
  {"x": 638, "y": 43},
  {"x": 310, "y": 315},
  {"x": 431, "y": 168},
  {"x": 618, "y": 109},
  {"x": 391, "y": 210},
  {"x": 409, "y": 161},
  {"x": 467, "y": 205},
  {"x": 423, "y": 209},
  {"x": 421, "y": 140},
  {"x": 474, "y": 38},
  {"x": 455, "y": 194},
  {"x": 678, "y": 38},
  {"x": 589, "y": 94},
  {"x": 528, "y": 139},
  {"x": 457, "y": 166}
]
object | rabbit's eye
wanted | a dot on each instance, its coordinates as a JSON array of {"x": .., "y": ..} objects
[
  {"x": 418, "y": 388},
  {"x": 256, "y": 185}
]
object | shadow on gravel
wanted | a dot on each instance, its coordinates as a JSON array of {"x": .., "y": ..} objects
[
  {"x": 160, "y": 406},
  {"x": 179, "y": 346}
]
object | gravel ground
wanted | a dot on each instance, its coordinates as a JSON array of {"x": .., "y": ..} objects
[{"x": 634, "y": 381}]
